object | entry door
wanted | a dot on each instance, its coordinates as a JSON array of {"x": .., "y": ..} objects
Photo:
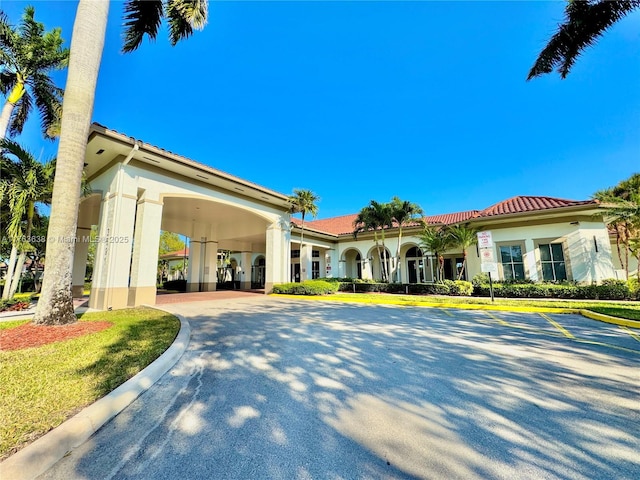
[
  {"x": 295, "y": 272},
  {"x": 413, "y": 277}
]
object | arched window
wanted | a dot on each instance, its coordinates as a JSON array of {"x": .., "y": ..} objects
[{"x": 414, "y": 252}]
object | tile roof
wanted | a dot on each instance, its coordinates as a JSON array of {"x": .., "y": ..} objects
[
  {"x": 525, "y": 203},
  {"x": 521, "y": 204},
  {"x": 177, "y": 254}
]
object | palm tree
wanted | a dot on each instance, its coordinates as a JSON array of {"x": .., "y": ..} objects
[
  {"x": 25, "y": 76},
  {"x": 304, "y": 202},
  {"x": 436, "y": 240},
  {"x": 403, "y": 213},
  {"x": 376, "y": 217},
  {"x": 622, "y": 204},
  {"x": 142, "y": 18},
  {"x": 463, "y": 236},
  {"x": 31, "y": 182},
  {"x": 584, "y": 23}
]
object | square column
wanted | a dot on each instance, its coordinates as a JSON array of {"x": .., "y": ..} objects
[
  {"x": 530, "y": 259},
  {"x": 144, "y": 265},
  {"x": 305, "y": 261},
  {"x": 245, "y": 275},
  {"x": 110, "y": 286},
  {"x": 277, "y": 256},
  {"x": 196, "y": 267},
  {"x": 210, "y": 278},
  {"x": 80, "y": 261}
]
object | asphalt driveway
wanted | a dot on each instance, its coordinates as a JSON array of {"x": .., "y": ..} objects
[{"x": 282, "y": 389}]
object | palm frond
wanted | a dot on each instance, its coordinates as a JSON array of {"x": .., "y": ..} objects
[
  {"x": 141, "y": 17},
  {"x": 185, "y": 16},
  {"x": 584, "y": 23},
  {"x": 48, "y": 100},
  {"x": 20, "y": 114}
]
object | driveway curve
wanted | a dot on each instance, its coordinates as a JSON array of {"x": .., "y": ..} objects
[{"x": 283, "y": 389}]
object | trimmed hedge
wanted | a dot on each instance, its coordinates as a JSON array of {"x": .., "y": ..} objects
[
  {"x": 608, "y": 290},
  {"x": 308, "y": 287},
  {"x": 177, "y": 285},
  {"x": 448, "y": 287}
]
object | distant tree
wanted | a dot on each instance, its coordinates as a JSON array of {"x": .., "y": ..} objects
[
  {"x": 170, "y": 242},
  {"x": 27, "y": 183},
  {"x": 28, "y": 56},
  {"x": 463, "y": 236},
  {"x": 584, "y": 23},
  {"x": 402, "y": 214},
  {"x": 622, "y": 204},
  {"x": 304, "y": 202}
]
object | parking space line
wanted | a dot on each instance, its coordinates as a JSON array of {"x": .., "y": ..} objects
[
  {"x": 447, "y": 312},
  {"x": 564, "y": 331},
  {"x": 633, "y": 334},
  {"x": 499, "y": 320},
  {"x": 608, "y": 345}
]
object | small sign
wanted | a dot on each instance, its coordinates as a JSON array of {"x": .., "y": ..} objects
[
  {"x": 486, "y": 255},
  {"x": 489, "y": 267},
  {"x": 485, "y": 240}
]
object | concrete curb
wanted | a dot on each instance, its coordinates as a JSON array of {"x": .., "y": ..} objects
[
  {"x": 601, "y": 317},
  {"x": 42, "y": 454}
]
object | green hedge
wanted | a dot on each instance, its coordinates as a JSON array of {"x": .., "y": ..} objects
[
  {"x": 608, "y": 290},
  {"x": 308, "y": 287},
  {"x": 176, "y": 285},
  {"x": 448, "y": 287}
]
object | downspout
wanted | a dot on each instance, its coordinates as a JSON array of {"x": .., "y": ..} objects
[{"x": 126, "y": 161}]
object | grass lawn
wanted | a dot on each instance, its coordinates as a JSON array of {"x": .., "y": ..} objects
[
  {"x": 41, "y": 387},
  {"x": 627, "y": 310}
]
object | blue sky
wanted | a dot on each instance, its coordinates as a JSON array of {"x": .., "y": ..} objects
[{"x": 366, "y": 100}]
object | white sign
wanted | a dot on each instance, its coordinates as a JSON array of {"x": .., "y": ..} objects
[
  {"x": 485, "y": 240},
  {"x": 489, "y": 267},
  {"x": 486, "y": 255}
]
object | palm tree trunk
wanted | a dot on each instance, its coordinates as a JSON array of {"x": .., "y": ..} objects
[
  {"x": 464, "y": 263},
  {"x": 301, "y": 244},
  {"x": 23, "y": 254},
  {"x": 16, "y": 94},
  {"x": 385, "y": 267},
  {"x": 10, "y": 269},
  {"x": 397, "y": 269},
  {"x": 56, "y": 302}
]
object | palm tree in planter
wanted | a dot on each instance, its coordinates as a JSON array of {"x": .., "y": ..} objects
[
  {"x": 585, "y": 22},
  {"x": 463, "y": 236},
  {"x": 141, "y": 18},
  {"x": 30, "y": 182},
  {"x": 304, "y": 203},
  {"x": 436, "y": 240},
  {"x": 403, "y": 213},
  {"x": 25, "y": 75}
]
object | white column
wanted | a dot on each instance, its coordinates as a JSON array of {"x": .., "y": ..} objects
[
  {"x": 195, "y": 265},
  {"x": 146, "y": 240},
  {"x": 245, "y": 276},
  {"x": 80, "y": 260},
  {"x": 210, "y": 279},
  {"x": 277, "y": 255},
  {"x": 110, "y": 286},
  {"x": 530, "y": 259},
  {"x": 305, "y": 262}
]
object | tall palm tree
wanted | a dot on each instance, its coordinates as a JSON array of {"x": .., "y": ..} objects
[
  {"x": 376, "y": 217},
  {"x": 622, "y": 204},
  {"x": 436, "y": 240},
  {"x": 304, "y": 202},
  {"x": 25, "y": 76},
  {"x": 403, "y": 212},
  {"x": 463, "y": 236},
  {"x": 142, "y": 18},
  {"x": 584, "y": 23},
  {"x": 31, "y": 182}
]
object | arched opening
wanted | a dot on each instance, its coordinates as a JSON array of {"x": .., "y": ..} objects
[{"x": 352, "y": 264}]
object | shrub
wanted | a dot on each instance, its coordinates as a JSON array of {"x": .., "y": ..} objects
[
  {"x": 178, "y": 285},
  {"x": 609, "y": 290},
  {"x": 308, "y": 287},
  {"x": 13, "y": 305},
  {"x": 463, "y": 287}
]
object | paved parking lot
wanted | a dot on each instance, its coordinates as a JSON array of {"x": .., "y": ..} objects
[{"x": 285, "y": 389}]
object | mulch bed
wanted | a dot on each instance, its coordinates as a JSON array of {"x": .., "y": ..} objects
[{"x": 30, "y": 335}]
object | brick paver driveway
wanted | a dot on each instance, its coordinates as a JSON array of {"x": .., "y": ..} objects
[{"x": 285, "y": 389}]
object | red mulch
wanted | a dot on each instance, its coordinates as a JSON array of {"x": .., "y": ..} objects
[{"x": 30, "y": 335}]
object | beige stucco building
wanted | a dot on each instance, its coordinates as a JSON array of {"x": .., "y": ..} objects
[{"x": 140, "y": 189}]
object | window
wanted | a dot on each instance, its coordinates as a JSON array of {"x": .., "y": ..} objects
[
  {"x": 295, "y": 253},
  {"x": 315, "y": 253},
  {"x": 315, "y": 270},
  {"x": 512, "y": 263},
  {"x": 552, "y": 261}
]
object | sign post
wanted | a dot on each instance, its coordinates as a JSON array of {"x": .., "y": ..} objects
[{"x": 487, "y": 262}]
